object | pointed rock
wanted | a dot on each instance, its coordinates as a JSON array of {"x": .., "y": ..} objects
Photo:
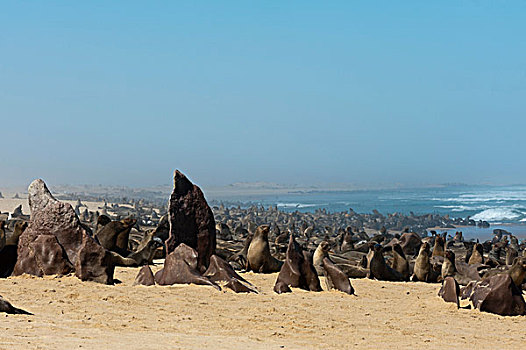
[
  {"x": 180, "y": 267},
  {"x": 191, "y": 220},
  {"x": 56, "y": 242},
  {"x": 145, "y": 277}
]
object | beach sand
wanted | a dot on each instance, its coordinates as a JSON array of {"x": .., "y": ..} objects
[{"x": 70, "y": 314}]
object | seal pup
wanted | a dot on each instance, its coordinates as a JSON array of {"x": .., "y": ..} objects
[
  {"x": 438, "y": 249},
  {"x": 259, "y": 258},
  {"x": 450, "y": 291},
  {"x": 379, "y": 269},
  {"x": 477, "y": 256},
  {"x": 511, "y": 254},
  {"x": 448, "y": 266},
  {"x": 517, "y": 271},
  {"x": 423, "y": 271},
  {"x": 321, "y": 252},
  {"x": 400, "y": 262}
]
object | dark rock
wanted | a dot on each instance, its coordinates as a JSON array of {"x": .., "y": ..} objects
[
  {"x": 180, "y": 267},
  {"x": 6, "y": 307},
  {"x": 191, "y": 220},
  {"x": 220, "y": 270},
  {"x": 144, "y": 277},
  {"x": 499, "y": 295},
  {"x": 56, "y": 242}
]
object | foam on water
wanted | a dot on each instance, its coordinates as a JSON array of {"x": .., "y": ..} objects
[{"x": 497, "y": 214}]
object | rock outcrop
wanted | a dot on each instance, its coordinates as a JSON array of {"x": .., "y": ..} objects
[
  {"x": 56, "y": 242},
  {"x": 191, "y": 221}
]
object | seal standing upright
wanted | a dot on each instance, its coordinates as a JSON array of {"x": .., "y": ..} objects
[{"x": 259, "y": 258}]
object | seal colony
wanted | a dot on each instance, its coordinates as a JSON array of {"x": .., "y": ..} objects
[{"x": 204, "y": 247}]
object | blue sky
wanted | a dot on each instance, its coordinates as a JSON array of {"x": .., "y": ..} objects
[{"x": 124, "y": 92}]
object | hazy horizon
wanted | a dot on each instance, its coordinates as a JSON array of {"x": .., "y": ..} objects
[{"x": 369, "y": 94}]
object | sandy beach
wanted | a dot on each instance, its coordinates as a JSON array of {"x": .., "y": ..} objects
[{"x": 72, "y": 314}]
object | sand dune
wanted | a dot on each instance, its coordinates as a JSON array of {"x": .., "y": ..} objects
[{"x": 72, "y": 314}]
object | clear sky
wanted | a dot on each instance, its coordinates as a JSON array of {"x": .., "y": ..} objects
[{"x": 124, "y": 92}]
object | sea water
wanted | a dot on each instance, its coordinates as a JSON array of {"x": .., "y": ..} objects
[{"x": 502, "y": 206}]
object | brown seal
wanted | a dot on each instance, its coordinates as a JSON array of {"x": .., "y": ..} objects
[
  {"x": 114, "y": 235},
  {"x": 321, "y": 252},
  {"x": 477, "y": 256},
  {"x": 336, "y": 278},
  {"x": 450, "y": 291},
  {"x": 423, "y": 270},
  {"x": 297, "y": 271},
  {"x": 517, "y": 271},
  {"x": 379, "y": 269},
  {"x": 259, "y": 258},
  {"x": 400, "y": 262},
  {"x": 448, "y": 266},
  {"x": 221, "y": 271},
  {"x": 438, "y": 249}
]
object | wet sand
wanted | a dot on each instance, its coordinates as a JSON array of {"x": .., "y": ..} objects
[{"x": 70, "y": 314}]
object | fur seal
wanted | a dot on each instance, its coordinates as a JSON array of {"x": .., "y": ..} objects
[
  {"x": 517, "y": 271},
  {"x": 448, "y": 266},
  {"x": 321, "y": 252},
  {"x": 423, "y": 271},
  {"x": 438, "y": 249},
  {"x": 379, "y": 269},
  {"x": 259, "y": 258},
  {"x": 336, "y": 278},
  {"x": 450, "y": 291},
  {"x": 477, "y": 256},
  {"x": 114, "y": 235},
  {"x": 297, "y": 270},
  {"x": 400, "y": 262}
]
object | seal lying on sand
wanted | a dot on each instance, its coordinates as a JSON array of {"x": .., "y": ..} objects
[{"x": 259, "y": 258}]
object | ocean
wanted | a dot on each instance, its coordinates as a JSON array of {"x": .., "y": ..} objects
[{"x": 502, "y": 206}]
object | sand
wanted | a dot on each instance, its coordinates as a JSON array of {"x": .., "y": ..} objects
[{"x": 70, "y": 314}]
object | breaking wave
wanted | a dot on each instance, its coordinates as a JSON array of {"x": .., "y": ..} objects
[{"x": 497, "y": 214}]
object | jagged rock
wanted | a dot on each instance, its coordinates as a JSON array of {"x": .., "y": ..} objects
[
  {"x": 180, "y": 267},
  {"x": 145, "y": 277},
  {"x": 297, "y": 270},
  {"x": 499, "y": 295},
  {"x": 191, "y": 220},
  {"x": 56, "y": 242},
  {"x": 220, "y": 270}
]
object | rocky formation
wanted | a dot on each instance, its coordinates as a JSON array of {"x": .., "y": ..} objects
[
  {"x": 56, "y": 242},
  {"x": 145, "y": 277},
  {"x": 191, "y": 220},
  {"x": 180, "y": 267}
]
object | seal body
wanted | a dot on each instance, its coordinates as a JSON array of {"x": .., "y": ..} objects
[{"x": 259, "y": 258}]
